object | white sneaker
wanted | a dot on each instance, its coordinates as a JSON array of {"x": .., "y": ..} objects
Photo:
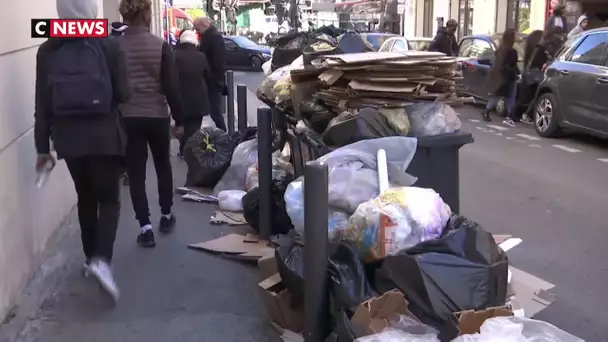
[{"x": 102, "y": 271}]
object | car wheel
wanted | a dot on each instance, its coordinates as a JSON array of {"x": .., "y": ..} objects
[
  {"x": 256, "y": 63},
  {"x": 501, "y": 108},
  {"x": 546, "y": 116}
]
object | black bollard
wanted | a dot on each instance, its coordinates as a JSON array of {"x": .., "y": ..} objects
[
  {"x": 230, "y": 101},
  {"x": 316, "y": 300},
  {"x": 265, "y": 170},
  {"x": 241, "y": 100}
]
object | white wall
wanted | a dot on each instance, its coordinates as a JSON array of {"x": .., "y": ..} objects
[
  {"x": 484, "y": 16},
  {"x": 441, "y": 8}
]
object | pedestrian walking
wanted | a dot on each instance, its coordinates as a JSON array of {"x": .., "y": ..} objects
[
  {"x": 151, "y": 67},
  {"x": 535, "y": 59},
  {"x": 194, "y": 74},
  {"x": 445, "y": 39},
  {"x": 557, "y": 19},
  {"x": 502, "y": 78},
  {"x": 581, "y": 26},
  {"x": 79, "y": 83},
  {"x": 212, "y": 45}
]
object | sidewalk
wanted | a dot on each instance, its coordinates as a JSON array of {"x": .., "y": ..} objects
[{"x": 169, "y": 293}]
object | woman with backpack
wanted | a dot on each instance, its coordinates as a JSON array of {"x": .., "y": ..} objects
[{"x": 502, "y": 78}]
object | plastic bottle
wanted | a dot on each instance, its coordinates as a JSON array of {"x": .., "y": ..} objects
[{"x": 43, "y": 174}]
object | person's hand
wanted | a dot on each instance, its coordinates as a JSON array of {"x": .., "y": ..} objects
[
  {"x": 178, "y": 132},
  {"x": 42, "y": 161}
]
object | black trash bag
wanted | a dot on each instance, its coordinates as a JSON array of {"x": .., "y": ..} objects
[
  {"x": 348, "y": 280},
  {"x": 352, "y": 42},
  {"x": 281, "y": 223},
  {"x": 319, "y": 47},
  {"x": 208, "y": 153},
  {"x": 290, "y": 264},
  {"x": 249, "y": 134},
  {"x": 288, "y": 48},
  {"x": 463, "y": 270},
  {"x": 348, "y": 128},
  {"x": 318, "y": 116}
]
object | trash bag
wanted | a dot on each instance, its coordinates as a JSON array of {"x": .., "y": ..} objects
[
  {"x": 322, "y": 46},
  {"x": 352, "y": 42},
  {"x": 281, "y": 223},
  {"x": 282, "y": 172},
  {"x": 266, "y": 68},
  {"x": 231, "y": 200},
  {"x": 277, "y": 86},
  {"x": 432, "y": 118},
  {"x": 391, "y": 335},
  {"x": 317, "y": 115},
  {"x": 397, "y": 219},
  {"x": 245, "y": 154},
  {"x": 462, "y": 270},
  {"x": 355, "y": 163},
  {"x": 412, "y": 326},
  {"x": 290, "y": 264},
  {"x": 397, "y": 119},
  {"x": 348, "y": 280},
  {"x": 208, "y": 153},
  {"x": 348, "y": 128},
  {"x": 518, "y": 329}
]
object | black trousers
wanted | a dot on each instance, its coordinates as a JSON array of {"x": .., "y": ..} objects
[
  {"x": 191, "y": 125},
  {"x": 155, "y": 134},
  {"x": 96, "y": 179},
  {"x": 215, "y": 103}
]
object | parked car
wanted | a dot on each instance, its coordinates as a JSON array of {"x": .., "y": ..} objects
[
  {"x": 396, "y": 44},
  {"x": 241, "y": 52},
  {"x": 376, "y": 39},
  {"x": 573, "y": 92},
  {"x": 420, "y": 43},
  {"x": 480, "y": 51}
]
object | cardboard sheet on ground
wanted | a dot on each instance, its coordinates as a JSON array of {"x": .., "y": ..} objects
[
  {"x": 228, "y": 217},
  {"x": 236, "y": 246}
]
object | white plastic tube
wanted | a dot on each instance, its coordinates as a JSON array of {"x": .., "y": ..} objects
[{"x": 382, "y": 171}]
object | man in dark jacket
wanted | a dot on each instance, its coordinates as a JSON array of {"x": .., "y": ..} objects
[
  {"x": 194, "y": 73},
  {"x": 90, "y": 140},
  {"x": 151, "y": 67},
  {"x": 212, "y": 45},
  {"x": 557, "y": 19},
  {"x": 445, "y": 39}
]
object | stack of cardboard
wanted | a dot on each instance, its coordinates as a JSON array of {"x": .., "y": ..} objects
[{"x": 387, "y": 78}]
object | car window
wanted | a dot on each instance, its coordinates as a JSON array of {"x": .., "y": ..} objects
[
  {"x": 387, "y": 45},
  {"x": 229, "y": 44},
  {"x": 399, "y": 46},
  {"x": 591, "y": 50},
  {"x": 244, "y": 42},
  {"x": 481, "y": 49},
  {"x": 183, "y": 24},
  {"x": 465, "y": 48}
]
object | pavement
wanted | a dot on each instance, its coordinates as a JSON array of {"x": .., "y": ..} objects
[{"x": 549, "y": 192}]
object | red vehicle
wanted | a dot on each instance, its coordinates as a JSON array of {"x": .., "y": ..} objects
[{"x": 175, "y": 21}]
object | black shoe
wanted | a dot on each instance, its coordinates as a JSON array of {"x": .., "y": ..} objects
[
  {"x": 166, "y": 225},
  {"x": 486, "y": 116},
  {"x": 146, "y": 239}
]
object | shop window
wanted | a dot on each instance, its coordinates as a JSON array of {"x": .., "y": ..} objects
[{"x": 591, "y": 50}]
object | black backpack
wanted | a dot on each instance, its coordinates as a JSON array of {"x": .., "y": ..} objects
[{"x": 79, "y": 79}]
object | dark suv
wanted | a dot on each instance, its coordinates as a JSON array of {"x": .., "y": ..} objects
[{"x": 574, "y": 92}]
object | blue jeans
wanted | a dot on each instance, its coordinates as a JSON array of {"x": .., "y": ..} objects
[{"x": 510, "y": 101}]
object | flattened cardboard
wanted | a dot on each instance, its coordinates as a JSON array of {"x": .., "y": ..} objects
[
  {"x": 469, "y": 322},
  {"x": 230, "y": 218},
  {"x": 373, "y": 316},
  {"x": 531, "y": 293},
  {"x": 277, "y": 301},
  {"x": 235, "y": 246},
  {"x": 267, "y": 266}
]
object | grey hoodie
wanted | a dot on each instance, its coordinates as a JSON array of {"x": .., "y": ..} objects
[
  {"x": 77, "y": 9},
  {"x": 578, "y": 29}
]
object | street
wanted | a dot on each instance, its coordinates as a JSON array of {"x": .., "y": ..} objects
[{"x": 551, "y": 193}]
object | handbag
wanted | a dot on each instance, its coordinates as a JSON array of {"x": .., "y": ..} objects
[{"x": 532, "y": 75}]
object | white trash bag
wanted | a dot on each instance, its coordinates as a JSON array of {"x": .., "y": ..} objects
[
  {"x": 231, "y": 200},
  {"x": 432, "y": 118},
  {"x": 390, "y": 335},
  {"x": 245, "y": 155}
]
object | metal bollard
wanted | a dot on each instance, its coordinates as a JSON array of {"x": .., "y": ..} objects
[
  {"x": 265, "y": 171},
  {"x": 230, "y": 101},
  {"x": 241, "y": 100},
  {"x": 316, "y": 300}
]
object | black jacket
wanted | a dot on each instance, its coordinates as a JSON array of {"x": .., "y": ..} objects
[
  {"x": 508, "y": 73},
  {"x": 212, "y": 45},
  {"x": 539, "y": 58},
  {"x": 73, "y": 138},
  {"x": 194, "y": 73},
  {"x": 444, "y": 42}
]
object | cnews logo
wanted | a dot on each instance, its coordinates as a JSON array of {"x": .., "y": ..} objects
[{"x": 70, "y": 28}]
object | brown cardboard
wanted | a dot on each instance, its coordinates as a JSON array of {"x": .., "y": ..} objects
[
  {"x": 277, "y": 301},
  {"x": 236, "y": 246},
  {"x": 469, "y": 322},
  {"x": 372, "y": 316},
  {"x": 267, "y": 266}
]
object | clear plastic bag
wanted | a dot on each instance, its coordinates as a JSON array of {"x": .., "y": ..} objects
[
  {"x": 266, "y": 67},
  {"x": 432, "y": 118},
  {"x": 281, "y": 169},
  {"x": 397, "y": 118},
  {"x": 245, "y": 154},
  {"x": 411, "y": 325},
  {"x": 518, "y": 329},
  {"x": 390, "y": 335},
  {"x": 397, "y": 219},
  {"x": 277, "y": 86},
  {"x": 231, "y": 200}
]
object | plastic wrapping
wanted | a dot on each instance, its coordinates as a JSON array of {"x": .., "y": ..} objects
[
  {"x": 462, "y": 270},
  {"x": 208, "y": 153},
  {"x": 282, "y": 170},
  {"x": 432, "y": 118},
  {"x": 348, "y": 128},
  {"x": 267, "y": 68},
  {"x": 397, "y": 219},
  {"x": 277, "y": 86},
  {"x": 231, "y": 200},
  {"x": 391, "y": 335},
  {"x": 411, "y": 325},
  {"x": 290, "y": 264},
  {"x": 397, "y": 119},
  {"x": 245, "y": 155},
  {"x": 357, "y": 162},
  {"x": 518, "y": 329}
]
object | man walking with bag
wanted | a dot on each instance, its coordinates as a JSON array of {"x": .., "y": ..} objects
[
  {"x": 151, "y": 67},
  {"x": 79, "y": 83}
]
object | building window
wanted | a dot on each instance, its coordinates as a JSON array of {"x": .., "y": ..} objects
[{"x": 465, "y": 17}]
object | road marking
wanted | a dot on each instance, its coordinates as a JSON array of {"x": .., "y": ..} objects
[
  {"x": 474, "y": 120},
  {"x": 482, "y": 128},
  {"x": 498, "y": 133},
  {"x": 510, "y": 138},
  {"x": 500, "y": 128},
  {"x": 535, "y": 145},
  {"x": 566, "y": 148},
  {"x": 529, "y": 137},
  {"x": 603, "y": 160}
]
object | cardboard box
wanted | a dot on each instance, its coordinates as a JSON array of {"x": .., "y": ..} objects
[
  {"x": 277, "y": 301},
  {"x": 469, "y": 322},
  {"x": 374, "y": 315},
  {"x": 267, "y": 266}
]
